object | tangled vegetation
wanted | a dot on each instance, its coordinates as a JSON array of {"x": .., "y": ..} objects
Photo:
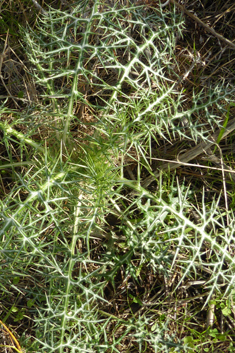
[{"x": 117, "y": 176}]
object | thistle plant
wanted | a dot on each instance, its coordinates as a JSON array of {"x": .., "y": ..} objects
[{"x": 78, "y": 217}]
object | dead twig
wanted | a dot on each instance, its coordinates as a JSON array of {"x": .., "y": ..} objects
[
  {"x": 2, "y": 58},
  {"x": 39, "y": 7},
  {"x": 208, "y": 28},
  {"x": 189, "y": 155}
]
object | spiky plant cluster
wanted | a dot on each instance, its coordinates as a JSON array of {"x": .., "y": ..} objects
[{"x": 77, "y": 227}]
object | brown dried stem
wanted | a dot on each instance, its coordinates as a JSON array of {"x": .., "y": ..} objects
[
  {"x": 189, "y": 155},
  {"x": 208, "y": 28}
]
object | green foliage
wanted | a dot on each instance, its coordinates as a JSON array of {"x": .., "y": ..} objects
[{"x": 57, "y": 212}]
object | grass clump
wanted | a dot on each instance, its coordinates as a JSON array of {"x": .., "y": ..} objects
[{"x": 100, "y": 252}]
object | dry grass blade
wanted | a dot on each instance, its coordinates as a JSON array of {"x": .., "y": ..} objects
[
  {"x": 2, "y": 57},
  {"x": 208, "y": 28},
  {"x": 12, "y": 339},
  {"x": 189, "y": 155},
  {"x": 39, "y": 7}
]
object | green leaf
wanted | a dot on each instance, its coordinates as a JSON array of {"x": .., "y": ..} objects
[
  {"x": 16, "y": 280},
  {"x": 135, "y": 299},
  {"x": 225, "y": 123},
  {"x": 20, "y": 94},
  {"x": 30, "y": 303},
  {"x": 226, "y": 311},
  {"x": 213, "y": 332}
]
